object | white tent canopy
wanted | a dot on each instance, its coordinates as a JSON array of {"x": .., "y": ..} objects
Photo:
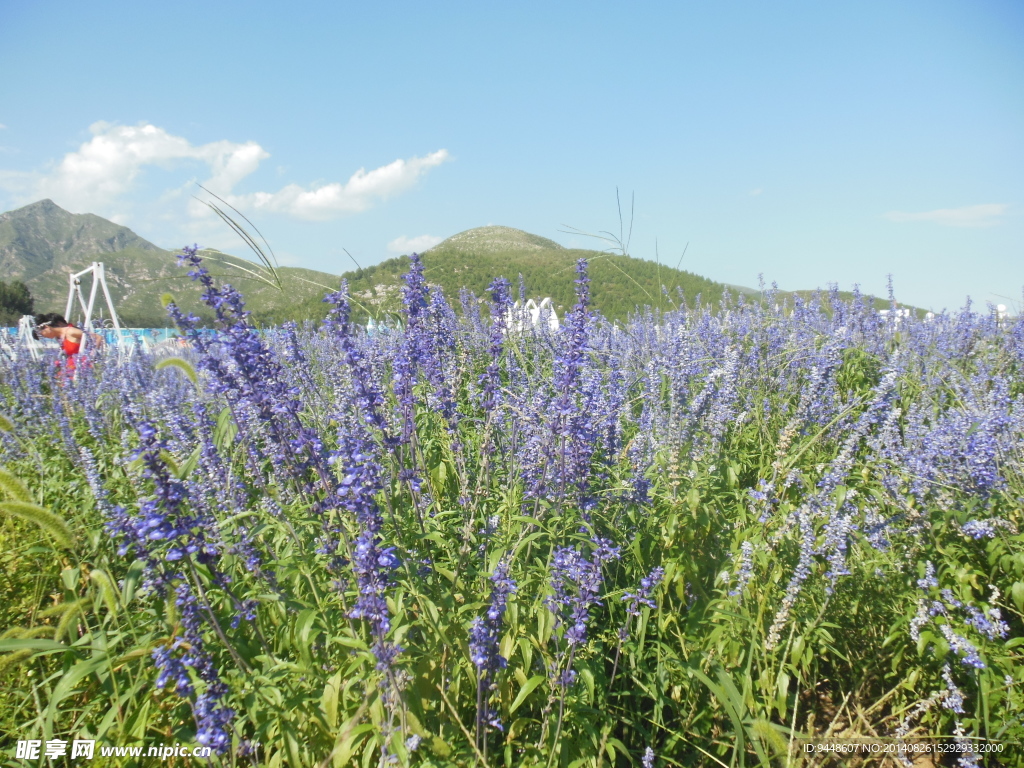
[{"x": 532, "y": 315}]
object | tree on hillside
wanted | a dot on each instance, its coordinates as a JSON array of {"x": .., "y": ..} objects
[{"x": 15, "y": 301}]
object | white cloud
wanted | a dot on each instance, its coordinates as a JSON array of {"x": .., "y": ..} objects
[
  {"x": 107, "y": 166},
  {"x": 105, "y": 169},
  {"x": 357, "y": 194},
  {"x": 406, "y": 245},
  {"x": 969, "y": 216},
  {"x": 3, "y": 127},
  {"x": 756, "y": 192}
]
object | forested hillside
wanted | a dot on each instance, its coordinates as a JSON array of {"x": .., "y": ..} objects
[
  {"x": 41, "y": 244},
  {"x": 620, "y": 285}
]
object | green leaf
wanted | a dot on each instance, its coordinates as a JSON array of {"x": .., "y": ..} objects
[
  {"x": 349, "y": 642},
  {"x": 796, "y": 652},
  {"x": 32, "y": 645},
  {"x": 527, "y": 651},
  {"x": 525, "y": 691},
  {"x": 782, "y": 692},
  {"x": 329, "y": 700},
  {"x": 447, "y": 573},
  {"x": 66, "y": 686},
  {"x": 693, "y": 499},
  {"x": 1017, "y": 595},
  {"x": 614, "y": 744},
  {"x": 839, "y": 495},
  {"x": 132, "y": 579},
  {"x": 545, "y": 626},
  {"x": 138, "y": 722},
  {"x": 588, "y": 680},
  {"x": 347, "y": 746},
  {"x": 923, "y": 640},
  {"x": 182, "y": 365},
  {"x": 731, "y": 702},
  {"x": 303, "y": 626},
  {"x": 226, "y": 430}
]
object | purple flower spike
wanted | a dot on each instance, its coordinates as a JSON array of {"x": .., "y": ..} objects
[
  {"x": 643, "y": 595},
  {"x": 484, "y": 637},
  {"x": 576, "y": 582}
]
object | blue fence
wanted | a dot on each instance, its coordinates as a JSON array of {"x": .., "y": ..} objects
[{"x": 147, "y": 335}]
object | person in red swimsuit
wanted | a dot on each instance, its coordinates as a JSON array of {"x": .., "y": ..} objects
[{"x": 53, "y": 326}]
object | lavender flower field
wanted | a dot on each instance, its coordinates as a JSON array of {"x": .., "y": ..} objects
[{"x": 690, "y": 541}]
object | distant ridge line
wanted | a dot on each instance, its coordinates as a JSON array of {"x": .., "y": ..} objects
[{"x": 496, "y": 238}]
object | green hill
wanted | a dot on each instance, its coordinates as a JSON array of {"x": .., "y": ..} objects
[
  {"x": 41, "y": 244},
  {"x": 472, "y": 259},
  {"x": 619, "y": 285},
  {"x": 41, "y": 238}
]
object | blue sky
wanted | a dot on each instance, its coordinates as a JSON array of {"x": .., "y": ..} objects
[{"x": 809, "y": 142}]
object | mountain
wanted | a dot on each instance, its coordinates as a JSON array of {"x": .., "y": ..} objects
[
  {"x": 40, "y": 237},
  {"x": 619, "y": 285},
  {"x": 42, "y": 244},
  {"x": 496, "y": 240}
]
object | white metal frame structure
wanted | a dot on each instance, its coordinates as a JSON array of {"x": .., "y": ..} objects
[
  {"x": 533, "y": 315},
  {"x": 99, "y": 279},
  {"x": 24, "y": 340}
]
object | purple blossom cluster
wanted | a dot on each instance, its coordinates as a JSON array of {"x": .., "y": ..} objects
[
  {"x": 172, "y": 540},
  {"x": 490, "y": 380},
  {"x": 943, "y": 608},
  {"x": 485, "y": 632},
  {"x": 558, "y": 459},
  {"x": 213, "y": 718},
  {"x": 245, "y": 371},
  {"x": 643, "y": 594},
  {"x": 484, "y": 639},
  {"x": 872, "y": 435},
  {"x": 576, "y": 588},
  {"x": 746, "y": 569},
  {"x": 166, "y": 529}
]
